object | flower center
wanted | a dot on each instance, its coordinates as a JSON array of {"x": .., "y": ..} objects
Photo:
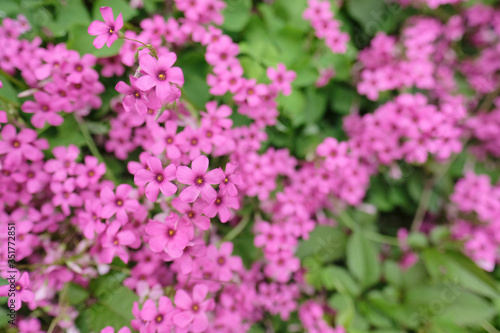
[
  {"x": 199, "y": 180},
  {"x": 171, "y": 232},
  {"x": 66, "y": 195},
  {"x": 209, "y": 134},
  {"x": 162, "y": 76},
  {"x": 218, "y": 201},
  {"x": 190, "y": 214},
  {"x": 159, "y": 178},
  {"x": 226, "y": 180},
  {"x": 159, "y": 318},
  {"x": 170, "y": 140},
  {"x": 119, "y": 202},
  {"x": 250, "y": 92},
  {"x": 18, "y": 287},
  {"x": 137, "y": 94},
  {"x": 221, "y": 261},
  {"x": 115, "y": 242},
  {"x": 79, "y": 68},
  {"x": 31, "y": 174},
  {"x": 194, "y": 142},
  {"x": 111, "y": 30},
  {"x": 45, "y": 108},
  {"x": 91, "y": 173},
  {"x": 195, "y": 307},
  {"x": 150, "y": 111},
  {"x": 16, "y": 144},
  {"x": 62, "y": 93}
]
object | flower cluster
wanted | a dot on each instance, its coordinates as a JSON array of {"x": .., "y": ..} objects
[
  {"x": 61, "y": 79},
  {"x": 476, "y": 215},
  {"x": 320, "y": 15}
]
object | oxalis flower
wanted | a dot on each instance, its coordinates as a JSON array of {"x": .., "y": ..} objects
[
  {"x": 160, "y": 74},
  {"x": 107, "y": 31},
  {"x": 200, "y": 180},
  {"x": 157, "y": 178}
]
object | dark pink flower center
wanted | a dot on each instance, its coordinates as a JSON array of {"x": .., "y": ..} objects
[
  {"x": 16, "y": 144},
  {"x": 199, "y": 180}
]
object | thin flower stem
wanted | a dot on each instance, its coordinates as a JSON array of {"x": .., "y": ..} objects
[
  {"x": 12, "y": 79},
  {"x": 238, "y": 229},
  {"x": 93, "y": 148},
  {"x": 137, "y": 41},
  {"x": 426, "y": 195},
  {"x": 489, "y": 328}
]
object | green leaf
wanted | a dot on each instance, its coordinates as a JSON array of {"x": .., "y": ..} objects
[
  {"x": 363, "y": 259},
  {"x": 293, "y": 106},
  {"x": 315, "y": 105},
  {"x": 338, "y": 278},
  {"x": 69, "y": 13},
  {"x": 64, "y": 135},
  {"x": 118, "y": 6},
  {"x": 76, "y": 294},
  {"x": 8, "y": 91},
  {"x": 417, "y": 240},
  {"x": 460, "y": 269},
  {"x": 112, "y": 309},
  {"x": 392, "y": 273},
  {"x": 236, "y": 14},
  {"x": 325, "y": 244}
]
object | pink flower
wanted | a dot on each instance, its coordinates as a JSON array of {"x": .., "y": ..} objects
[
  {"x": 160, "y": 74},
  {"x": 90, "y": 172},
  {"x": 230, "y": 180},
  {"x": 118, "y": 204},
  {"x": 193, "y": 309},
  {"x": 45, "y": 110},
  {"x": 107, "y": 31},
  {"x": 134, "y": 99},
  {"x": 192, "y": 213},
  {"x": 221, "y": 206},
  {"x": 22, "y": 287},
  {"x": 171, "y": 236},
  {"x": 281, "y": 78},
  {"x": 157, "y": 178},
  {"x": 114, "y": 242},
  {"x": 160, "y": 320},
  {"x": 19, "y": 146},
  {"x": 110, "y": 329},
  {"x": 199, "y": 180},
  {"x": 225, "y": 263}
]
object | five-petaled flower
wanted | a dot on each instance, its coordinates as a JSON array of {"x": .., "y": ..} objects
[{"x": 107, "y": 31}]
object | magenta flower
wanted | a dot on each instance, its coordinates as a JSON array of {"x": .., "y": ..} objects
[
  {"x": 171, "y": 236},
  {"x": 160, "y": 74},
  {"x": 199, "y": 180},
  {"x": 226, "y": 264},
  {"x": 18, "y": 145},
  {"x": 221, "y": 206},
  {"x": 107, "y": 31},
  {"x": 160, "y": 319},
  {"x": 192, "y": 213},
  {"x": 281, "y": 78},
  {"x": 118, "y": 204},
  {"x": 157, "y": 178},
  {"x": 114, "y": 243},
  {"x": 230, "y": 180},
  {"x": 22, "y": 286},
  {"x": 45, "y": 110},
  {"x": 90, "y": 172},
  {"x": 134, "y": 99},
  {"x": 193, "y": 309}
]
